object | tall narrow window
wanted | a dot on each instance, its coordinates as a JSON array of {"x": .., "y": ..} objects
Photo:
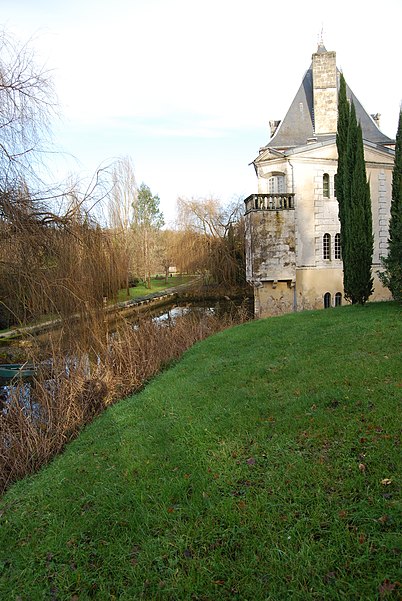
[
  {"x": 338, "y": 299},
  {"x": 337, "y": 246},
  {"x": 335, "y": 176},
  {"x": 325, "y": 185},
  {"x": 326, "y": 247},
  {"x": 327, "y": 300}
]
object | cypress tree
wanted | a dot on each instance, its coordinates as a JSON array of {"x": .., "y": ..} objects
[
  {"x": 341, "y": 143},
  {"x": 358, "y": 281},
  {"x": 392, "y": 278},
  {"x": 353, "y": 195}
]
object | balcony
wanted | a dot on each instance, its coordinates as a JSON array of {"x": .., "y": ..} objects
[{"x": 270, "y": 202}]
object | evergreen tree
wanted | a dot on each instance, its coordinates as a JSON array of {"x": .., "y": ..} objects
[
  {"x": 341, "y": 143},
  {"x": 392, "y": 278},
  {"x": 146, "y": 209},
  {"x": 147, "y": 222},
  {"x": 353, "y": 195},
  {"x": 358, "y": 281}
]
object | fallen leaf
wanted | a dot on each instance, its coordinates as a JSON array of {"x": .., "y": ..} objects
[
  {"x": 387, "y": 586},
  {"x": 362, "y": 467},
  {"x": 220, "y": 582},
  {"x": 342, "y": 514},
  {"x": 135, "y": 551},
  {"x": 170, "y": 509},
  {"x": 250, "y": 461},
  {"x": 362, "y": 538},
  {"x": 383, "y": 519},
  {"x": 386, "y": 481}
]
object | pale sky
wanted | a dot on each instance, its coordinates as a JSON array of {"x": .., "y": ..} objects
[{"x": 187, "y": 88}]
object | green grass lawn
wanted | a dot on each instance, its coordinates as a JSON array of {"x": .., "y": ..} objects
[
  {"x": 157, "y": 285},
  {"x": 265, "y": 465}
]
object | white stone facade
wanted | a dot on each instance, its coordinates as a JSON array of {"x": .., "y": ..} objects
[{"x": 292, "y": 225}]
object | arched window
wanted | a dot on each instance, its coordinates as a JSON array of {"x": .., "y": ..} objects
[
  {"x": 325, "y": 185},
  {"x": 338, "y": 299},
  {"x": 326, "y": 247},
  {"x": 276, "y": 184},
  {"x": 337, "y": 246},
  {"x": 327, "y": 300}
]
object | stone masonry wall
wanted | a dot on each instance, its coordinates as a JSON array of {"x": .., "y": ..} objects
[
  {"x": 271, "y": 245},
  {"x": 325, "y": 93}
]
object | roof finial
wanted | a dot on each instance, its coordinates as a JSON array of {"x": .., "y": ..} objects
[{"x": 321, "y": 47}]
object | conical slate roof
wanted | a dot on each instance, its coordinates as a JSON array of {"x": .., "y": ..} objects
[{"x": 297, "y": 128}]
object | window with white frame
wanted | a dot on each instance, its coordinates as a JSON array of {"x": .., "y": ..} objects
[
  {"x": 276, "y": 184},
  {"x": 337, "y": 246},
  {"x": 326, "y": 247}
]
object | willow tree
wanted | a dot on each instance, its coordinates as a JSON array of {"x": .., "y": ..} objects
[
  {"x": 218, "y": 233},
  {"x": 27, "y": 104},
  {"x": 121, "y": 201}
]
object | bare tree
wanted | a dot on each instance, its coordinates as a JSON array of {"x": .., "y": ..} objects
[
  {"x": 123, "y": 195},
  {"x": 27, "y": 103},
  {"x": 167, "y": 244},
  {"x": 207, "y": 215},
  {"x": 214, "y": 238},
  {"x": 122, "y": 199}
]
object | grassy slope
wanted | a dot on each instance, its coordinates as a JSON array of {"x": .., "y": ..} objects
[
  {"x": 157, "y": 285},
  {"x": 250, "y": 470}
]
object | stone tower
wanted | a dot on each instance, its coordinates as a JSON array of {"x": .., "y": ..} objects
[
  {"x": 271, "y": 250},
  {"x": 325, "y": 92}
]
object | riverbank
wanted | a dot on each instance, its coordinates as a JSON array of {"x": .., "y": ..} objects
[
  {"x": 192, "y": 291},
  {"x": 97, "y": 362},
  {"x": 139, "y": 302},
  {"x": 268, "y": 472}
]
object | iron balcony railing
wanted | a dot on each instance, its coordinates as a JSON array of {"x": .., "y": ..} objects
[{"x": 270, "y": 202}]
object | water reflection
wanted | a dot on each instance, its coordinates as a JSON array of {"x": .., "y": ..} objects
[
  {"x": 176, "y": 312},
  {"x": 166, "y": 317}
]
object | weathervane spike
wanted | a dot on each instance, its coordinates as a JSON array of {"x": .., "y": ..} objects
[{"x": 320, "y": 38}]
